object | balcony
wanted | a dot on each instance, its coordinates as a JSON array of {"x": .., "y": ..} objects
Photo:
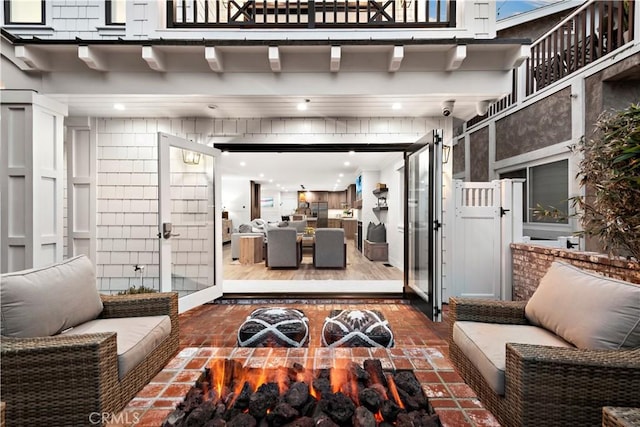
[
  {"x": 597, "y": 28},
  {"x": 311, "y": 14},
  {"x": 588, "y": 34}
]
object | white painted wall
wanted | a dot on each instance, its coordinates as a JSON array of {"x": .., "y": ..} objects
[
  {"x": 236, "y": 199},
  {"x": 369, "y": 180},
  {"x": 393, "y": 176},
  {"x": 32, "y": 198},
  {"x": 271, "y": 214}
]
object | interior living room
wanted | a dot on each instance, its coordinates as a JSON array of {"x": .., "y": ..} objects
[
  {"x": 319, "y": 212},
  {"x": 315, "y": 190}
]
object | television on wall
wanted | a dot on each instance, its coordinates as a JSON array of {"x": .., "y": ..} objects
[{"x": 359, "y": 187}]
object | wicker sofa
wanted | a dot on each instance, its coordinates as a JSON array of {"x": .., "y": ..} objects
[
  {"x": 553, "y": 384},
  {"x": 61, "y": 363}
]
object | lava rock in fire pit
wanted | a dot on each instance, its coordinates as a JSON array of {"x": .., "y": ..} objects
[
  {"x": 356, "y": 328},
  {"x": 274, "y": 327},
  {"x": 338, "y": 406}
]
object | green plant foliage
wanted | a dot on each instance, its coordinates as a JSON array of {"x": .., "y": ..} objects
[
  {"x": 141, "y": 290},
  {"x": 609, "y": 172}
]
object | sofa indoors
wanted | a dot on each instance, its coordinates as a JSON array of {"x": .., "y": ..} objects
[
  {"x": 556, "y": 359},
  {"x": 259, "y": 227},
  {"x": 68, "y": 352}
]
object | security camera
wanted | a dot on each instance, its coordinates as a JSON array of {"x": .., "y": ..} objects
[{"x": 447, "y": 108}]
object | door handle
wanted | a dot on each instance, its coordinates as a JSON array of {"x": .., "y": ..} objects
[{"x": 166, "y": 231}]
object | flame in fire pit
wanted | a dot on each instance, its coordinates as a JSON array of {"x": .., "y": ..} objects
[
  {"x": 394, "y": 390},
  {"x": 346, "y": 393}
]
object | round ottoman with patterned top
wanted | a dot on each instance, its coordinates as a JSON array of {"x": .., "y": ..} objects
[
  {"x": 356, "y": 328},
  {"x": 274, "y": 327}
]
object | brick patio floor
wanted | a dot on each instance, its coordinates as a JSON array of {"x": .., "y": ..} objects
[{"x": 209, "y": 332}]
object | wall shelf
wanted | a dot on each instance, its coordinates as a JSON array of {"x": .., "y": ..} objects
[{"x": 381, "y": 193}]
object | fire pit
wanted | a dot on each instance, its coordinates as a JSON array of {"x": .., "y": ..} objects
[{"x": 228, "y": 394}]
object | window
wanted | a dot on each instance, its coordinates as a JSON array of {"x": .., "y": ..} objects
[
  {"x": 549, "y": 189},
  {"x": 546, "y": 186},
  {"x": 116, "y": 12},
  {"x": 24, "y": 11}
]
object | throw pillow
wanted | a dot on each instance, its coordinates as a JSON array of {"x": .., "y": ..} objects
[
  {"x": 244, "y": 228},
  {"x": 47, "y": 300},
  {"x": 588, "y": 310},
  {"x": 377, "y": 233}
]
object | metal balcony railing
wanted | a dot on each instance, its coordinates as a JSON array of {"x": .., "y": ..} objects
[
  {"x": 310, "y": 13},
  {"x": 592, "y": 31}
]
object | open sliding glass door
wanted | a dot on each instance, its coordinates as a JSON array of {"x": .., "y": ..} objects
[
  {"x": 423, "y": 188},
  {"x": 189, "y": 229}
]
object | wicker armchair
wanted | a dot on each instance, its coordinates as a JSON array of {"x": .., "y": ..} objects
[
  {"x": 546, "y": 386},
  {"x": 63, "y": 379}
]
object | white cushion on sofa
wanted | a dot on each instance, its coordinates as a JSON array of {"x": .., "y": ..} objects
[
  {"x": 45, "y": 301},
  {"x": 591, "y": 311},
  {"x": 485, "y": 346},
  {"x": 136, "y": 336}
]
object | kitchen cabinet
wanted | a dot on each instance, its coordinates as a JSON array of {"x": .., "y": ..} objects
[
  {"x": 351, "y": 195},
  {"x": 335, "y": 223},
  {"x": 337, "y": 199},
  {"x": 313, "y": 196},
  {"x": 350, "y": 226}
]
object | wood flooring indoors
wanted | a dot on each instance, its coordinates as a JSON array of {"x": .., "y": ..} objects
[{"x": 358, "y": 268}]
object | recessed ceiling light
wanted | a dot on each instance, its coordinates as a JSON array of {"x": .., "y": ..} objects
[
  {"x": 261, "y": 175},
  {"x": 225, "y": 153},
  {"x": 338, "y": 181},
  {"x": 119, "y": 107},
  {"x": 351, "y": 153},
  {"x": 347, "y": 163},
  {"x": 270, "y": 180},
  {"x": 243, "y": 163},
  {"x": 303, "y": 105},
  {"x": 277, "y": 185},
  {"x": 341, "y": 175},
  {"x": 396, "y": 106}
]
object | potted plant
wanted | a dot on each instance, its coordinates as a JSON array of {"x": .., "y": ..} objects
[{"x": 609, "y": 170}]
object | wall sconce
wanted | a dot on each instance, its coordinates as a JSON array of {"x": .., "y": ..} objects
[
  {"x": 190, "y": 157},
  {"x": 446, "y": 152}
]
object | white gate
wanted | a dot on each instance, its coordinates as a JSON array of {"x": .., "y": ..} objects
[{"x": 488, "y": 218}]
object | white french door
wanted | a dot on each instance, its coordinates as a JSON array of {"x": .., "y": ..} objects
[{"x": 189, "y": 222}]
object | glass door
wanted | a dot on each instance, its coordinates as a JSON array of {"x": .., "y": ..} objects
[
  {"x": 422, "y": 224},
  {"x": 190, "y": 229}
]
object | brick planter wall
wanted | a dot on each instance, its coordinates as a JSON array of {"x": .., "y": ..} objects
[{"x": 531, "y": 262}]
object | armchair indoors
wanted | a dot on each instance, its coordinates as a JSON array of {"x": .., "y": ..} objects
[
  {"x": 283, "y": 248},
  {"x": 69, "y": 352},
  {"x": 330, "y": 248}
]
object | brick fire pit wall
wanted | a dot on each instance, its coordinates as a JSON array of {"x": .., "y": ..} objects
[{"x": 531, "y": 262}]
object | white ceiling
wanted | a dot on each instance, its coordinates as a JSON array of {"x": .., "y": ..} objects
[
  {"x": 265, "y": 106},
  {"x": 368, "y": 80},
  {"x": 316, "y": 171}
]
